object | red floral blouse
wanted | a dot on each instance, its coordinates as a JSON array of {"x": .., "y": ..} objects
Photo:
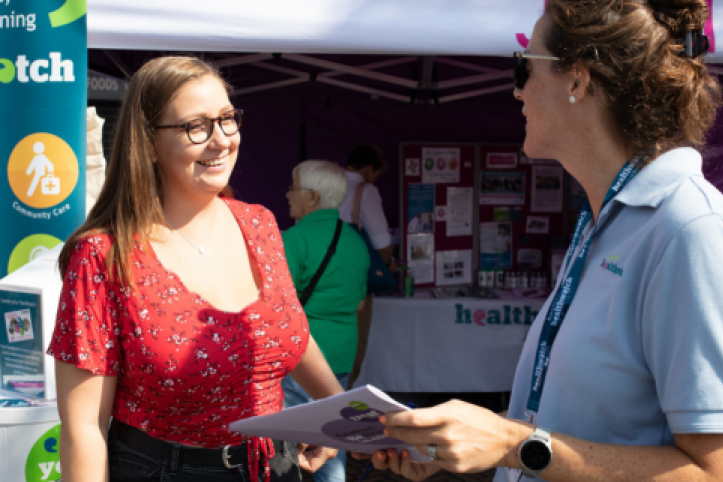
[{"x": 185, "y": 369}]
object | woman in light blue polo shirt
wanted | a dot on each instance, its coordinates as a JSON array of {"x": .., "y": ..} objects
[{"x": 621, "y": 377}]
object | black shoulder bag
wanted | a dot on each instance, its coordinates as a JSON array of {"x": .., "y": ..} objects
[{"x": 330, "y": 252}]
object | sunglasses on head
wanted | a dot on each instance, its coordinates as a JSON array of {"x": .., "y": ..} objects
[{"x": 520, "y": 66}]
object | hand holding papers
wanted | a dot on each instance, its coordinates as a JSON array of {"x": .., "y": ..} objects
[{"x": 348, "y": 421}]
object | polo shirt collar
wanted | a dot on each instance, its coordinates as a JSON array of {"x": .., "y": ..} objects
[
  {"x": 320, "y": 215},
  {"x": 661, "y": 176}
]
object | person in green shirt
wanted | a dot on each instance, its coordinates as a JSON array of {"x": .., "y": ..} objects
[{"x": 318, "y": 189}]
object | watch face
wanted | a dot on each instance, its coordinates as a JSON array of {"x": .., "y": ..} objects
[{"x": 535, "y": 455}]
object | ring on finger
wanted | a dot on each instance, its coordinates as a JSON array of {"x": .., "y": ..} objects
[{"x": 432, "y": 452}]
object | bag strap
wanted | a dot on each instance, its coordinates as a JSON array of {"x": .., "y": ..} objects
[
  {"x": 329, "y": 253},
  {"x": 357, "y": 201}
]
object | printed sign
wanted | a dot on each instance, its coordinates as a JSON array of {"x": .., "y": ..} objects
[
  {"x": 43, "y": 82},
  {"x": 440, "y": 165},
  {"x": 18, "y": 326},
  {"x": 21, "y": 343}
]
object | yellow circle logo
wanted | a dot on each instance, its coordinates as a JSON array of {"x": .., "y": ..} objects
[{"x": 42, "y": 170}]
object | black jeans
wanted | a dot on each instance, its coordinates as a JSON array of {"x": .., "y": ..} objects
[{"x": 129, "y": 465}]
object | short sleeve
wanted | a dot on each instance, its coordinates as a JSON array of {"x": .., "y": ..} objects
[
  {"x": 682, "y": 327},
  {"x": 373, "y": 219},
  {"x": 86, "y": 328}
]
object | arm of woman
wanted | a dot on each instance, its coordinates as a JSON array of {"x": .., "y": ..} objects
[
  {"x": 316, "y": 378},
  {"x": 314, "y": 374},
  {"x": 473, "y": 439},
  {"x": 85, "y": 402}
]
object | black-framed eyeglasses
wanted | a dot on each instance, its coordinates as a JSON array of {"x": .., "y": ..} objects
[
  {"x": 520, "y": 66},
  {"x": 200, "y": 130}
]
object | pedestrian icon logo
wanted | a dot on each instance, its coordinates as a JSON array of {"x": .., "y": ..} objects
[
  {"x": 38, "y": 168},
  {"x": 42, "y": 170}
]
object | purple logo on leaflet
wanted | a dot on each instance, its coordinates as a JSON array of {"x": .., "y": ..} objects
[{"x": 359, "y": 424}]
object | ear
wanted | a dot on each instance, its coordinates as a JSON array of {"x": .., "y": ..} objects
[
  {"x": 315, "y": 199},
  {"x": 580, "y": 82}
]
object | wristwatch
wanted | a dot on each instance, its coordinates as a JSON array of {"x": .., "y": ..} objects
[{"x": 536, "y": 453}]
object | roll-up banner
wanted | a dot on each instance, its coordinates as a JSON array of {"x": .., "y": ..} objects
[{"x": 43, "y": 82}]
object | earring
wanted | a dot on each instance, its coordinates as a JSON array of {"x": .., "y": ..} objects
[{"x": 572, "y": 99}]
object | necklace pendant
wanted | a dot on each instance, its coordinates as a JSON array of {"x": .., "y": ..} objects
[{"x": 201, "y": 250}]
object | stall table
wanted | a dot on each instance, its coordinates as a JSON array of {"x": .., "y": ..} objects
[{"x": 446, "y": 345}]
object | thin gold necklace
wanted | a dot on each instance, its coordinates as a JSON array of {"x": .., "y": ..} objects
[{"x": 201, "y": 250}]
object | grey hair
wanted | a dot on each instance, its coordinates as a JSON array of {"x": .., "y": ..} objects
[{"x": 324, "y": 177}]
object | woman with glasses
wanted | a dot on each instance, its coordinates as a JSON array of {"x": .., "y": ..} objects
[
  {"x": 620, "y": 378},
  {"x": 178, "y": 314}
]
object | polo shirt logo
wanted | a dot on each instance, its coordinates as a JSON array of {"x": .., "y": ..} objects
[{"x": 607, "y": 264}]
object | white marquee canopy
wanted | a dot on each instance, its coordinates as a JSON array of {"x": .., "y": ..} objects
[{"x": 408, "y": 28}]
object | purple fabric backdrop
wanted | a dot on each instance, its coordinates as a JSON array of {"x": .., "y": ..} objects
[{"x": 335, "y": 123}]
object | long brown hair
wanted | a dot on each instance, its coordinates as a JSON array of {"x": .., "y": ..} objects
[
  {"x": 658, "y": 98},
  {"x": 131, "y": 200}
]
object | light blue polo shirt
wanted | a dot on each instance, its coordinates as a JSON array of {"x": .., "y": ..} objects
[{"x": 639, "y": 356}]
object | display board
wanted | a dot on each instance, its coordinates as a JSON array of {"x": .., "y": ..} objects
[
  {"x": 438, "y": 213},
  {"x": 521, "y": 208},
  {"x": 482, "y": 214}
]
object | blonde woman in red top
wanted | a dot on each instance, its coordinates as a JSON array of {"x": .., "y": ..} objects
[{"x": 178, "y": 315}]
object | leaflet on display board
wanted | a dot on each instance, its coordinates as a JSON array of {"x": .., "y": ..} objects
[
  {"x": 28, "y": 303},
  {"x": 440, "y": 164},
  {"x": 454, "y": 267},
  {"x": 459, "y": 211},
  {"x": 546, "y": 189},
  {"x": 495, "y": 245},
  {"x": 421, "y": 257},
  {"x": 420, "y": 208}
]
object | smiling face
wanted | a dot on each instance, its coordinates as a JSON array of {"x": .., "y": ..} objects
[
  {"x": 190, "y": 169},
  {"x": 545, "y": 98}
]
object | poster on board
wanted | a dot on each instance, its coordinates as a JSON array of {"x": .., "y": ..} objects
[
  {"x": 546, "y": 193},
  {"x": 502, "y": 188},
  {"x": 411, "y": 167},
  {"x": 454, "y": 267},
  {"x": 420, "y": 257},
  {"x": 420, "y": 208},
  {"x": 538, "y": 224},
  {"x": 459, "y": 211},
  {"x": 501, "y": 160},
  {"x": 495, "y": 245},
  {"x": 440, "y": 165}
]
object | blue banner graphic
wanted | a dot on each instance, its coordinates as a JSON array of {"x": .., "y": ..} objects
[{"x": 43, "y": 82}]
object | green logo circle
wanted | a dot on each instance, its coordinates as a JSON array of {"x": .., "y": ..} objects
[
  {"x": 43, "y": 462},
  {"x": 7, "y": 71},
  {"x": 359, "y": 405},
  {"x": 30, "y": 248},
  {"x": 429, "y": 164}
]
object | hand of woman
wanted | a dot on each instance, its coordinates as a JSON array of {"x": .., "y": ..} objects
[
  {"x": 468, "y": 438},
  {"x": 404, "y": 466},
  {"x": 312, "y": 457}
]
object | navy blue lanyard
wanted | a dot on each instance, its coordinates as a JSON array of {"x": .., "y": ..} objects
[{"x": 568, "y": 288}]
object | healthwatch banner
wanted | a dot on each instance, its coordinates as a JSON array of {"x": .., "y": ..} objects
[{"x": 43, "y": 72}]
